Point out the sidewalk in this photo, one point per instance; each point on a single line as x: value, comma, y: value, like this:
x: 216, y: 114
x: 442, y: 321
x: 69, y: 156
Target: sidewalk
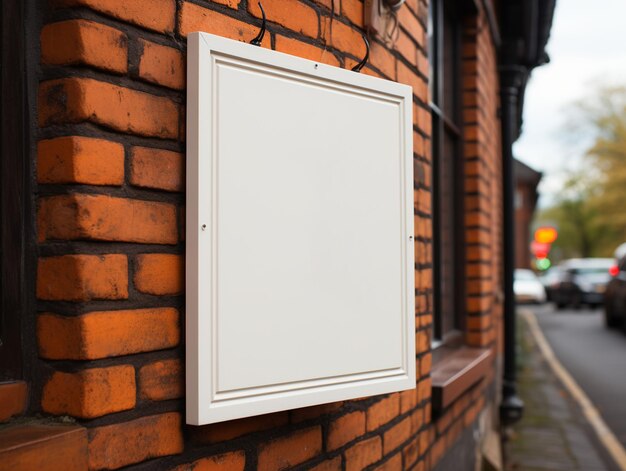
x: 553, y: 434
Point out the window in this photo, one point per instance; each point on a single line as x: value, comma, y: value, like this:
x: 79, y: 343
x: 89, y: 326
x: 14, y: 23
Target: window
x: 13, y: 201
x: 444, y: 44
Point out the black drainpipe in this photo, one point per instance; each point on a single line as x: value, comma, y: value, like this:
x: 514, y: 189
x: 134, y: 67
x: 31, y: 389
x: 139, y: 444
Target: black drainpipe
x: 512, y: 81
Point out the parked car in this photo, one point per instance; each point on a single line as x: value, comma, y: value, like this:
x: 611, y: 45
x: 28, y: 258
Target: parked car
x: 615, y: 295
x: 527, y: 287
x: 584, y: 281
x: 551, y: 279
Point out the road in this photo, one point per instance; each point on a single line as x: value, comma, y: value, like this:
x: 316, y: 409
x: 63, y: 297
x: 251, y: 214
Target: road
x: 594, y: 355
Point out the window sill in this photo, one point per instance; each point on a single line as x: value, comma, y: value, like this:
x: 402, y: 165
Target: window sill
x: 31, y: 446
x: 454, y: 371
x: 13, y: 398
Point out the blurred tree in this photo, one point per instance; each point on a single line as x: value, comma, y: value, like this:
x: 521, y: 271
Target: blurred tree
x: 579, y: 225
x: 608, y: 155
x: 591, y: 212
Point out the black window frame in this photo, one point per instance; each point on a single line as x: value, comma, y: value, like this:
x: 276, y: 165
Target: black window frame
x: 15, y: 201
x: 450, y: 122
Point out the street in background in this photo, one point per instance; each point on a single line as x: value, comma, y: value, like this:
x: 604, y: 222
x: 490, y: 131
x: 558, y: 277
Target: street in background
x: 583, y: 281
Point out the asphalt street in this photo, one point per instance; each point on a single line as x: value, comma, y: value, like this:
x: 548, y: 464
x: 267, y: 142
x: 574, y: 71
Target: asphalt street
x: 594, y: 355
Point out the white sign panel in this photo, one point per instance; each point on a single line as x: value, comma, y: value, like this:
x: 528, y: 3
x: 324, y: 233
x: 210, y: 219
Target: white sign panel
x: 300, y: 266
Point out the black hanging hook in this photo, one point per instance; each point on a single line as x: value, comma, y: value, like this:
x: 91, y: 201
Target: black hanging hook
x: 360, y: 65
x: 257, y: 41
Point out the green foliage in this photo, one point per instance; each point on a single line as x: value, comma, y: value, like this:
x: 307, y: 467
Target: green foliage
x: 591, y: 212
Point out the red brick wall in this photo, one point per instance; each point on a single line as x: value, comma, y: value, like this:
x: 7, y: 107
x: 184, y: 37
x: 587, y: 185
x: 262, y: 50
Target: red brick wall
x: 483, y: 185
x: 110, y: 287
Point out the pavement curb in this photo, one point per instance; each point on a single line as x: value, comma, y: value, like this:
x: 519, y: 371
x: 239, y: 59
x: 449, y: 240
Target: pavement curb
x: 604, y: 434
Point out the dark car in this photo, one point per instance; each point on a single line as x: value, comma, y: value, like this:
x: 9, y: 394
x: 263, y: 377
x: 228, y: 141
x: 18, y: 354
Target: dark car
x: 583, y: 281
x: 551, y: 280
x: 615, y: 296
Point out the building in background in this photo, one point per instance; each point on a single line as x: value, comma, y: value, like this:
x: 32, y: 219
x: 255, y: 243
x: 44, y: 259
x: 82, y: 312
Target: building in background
x: 526, y: 182
x: 93, y: 210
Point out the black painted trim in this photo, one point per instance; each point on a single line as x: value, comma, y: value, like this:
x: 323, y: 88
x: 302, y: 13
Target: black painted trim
x: 14, y: 195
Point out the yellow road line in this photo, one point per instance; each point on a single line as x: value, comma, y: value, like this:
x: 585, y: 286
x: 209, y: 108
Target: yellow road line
x: 606, y: 437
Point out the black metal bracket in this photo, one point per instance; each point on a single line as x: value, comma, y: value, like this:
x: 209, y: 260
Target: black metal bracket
x: 257, y: 41
x: 360, y: 65
x: 394, y: 4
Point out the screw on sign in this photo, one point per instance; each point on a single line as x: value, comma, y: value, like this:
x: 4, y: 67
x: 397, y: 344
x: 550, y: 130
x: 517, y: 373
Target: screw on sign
x: 545, y: 235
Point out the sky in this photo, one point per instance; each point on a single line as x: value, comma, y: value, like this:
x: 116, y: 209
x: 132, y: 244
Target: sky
x: 587, y: 48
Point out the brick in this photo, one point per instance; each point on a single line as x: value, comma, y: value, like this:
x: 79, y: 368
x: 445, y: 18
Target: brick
x: 292, y: 14
x: 103, y: 334
x: 195, y: 18
x: 344, y: 38
x: 161, y: 65
x: 313, y: 412
x: 478, y: 304
x: 424, y: 441
x: 392, y: 464
x: 460, y: 405
x: 411, y: 452
x: 100, y: 217
x: 367, y: 70
x: 234, y: 461
x: 229, y: 3
x: 224, y: 431
x: 422, y: 341
x: 422, y: 63
x: 471, y: 415
x: 396, y: 435
x: 409, y: 77
x: 82, y: 277
x: 13, y: 399
x: 478, y: 322
x: 406, y: 47
x: 157, y: 15
x: 114, y: 446
x: 436, y: 452
x: 411, y: 25
x: 84, y: 42
x: 77, y: 100
x: 304, y: 50
x: 479, y: 339
x: 345, y: 429
x: 424, y: 389
x: 408, y: 400
x: 382, y: 59
x: 428, y: 414
x: 363, y: 454
x: 329, y: 465
x: 419, y: 145
x: 161, y: 380
x: 478, y: 287
x: 353, y: 10
x: 291, y: 450
x: 77, y: 159
x: 426, y: 363
x: 160, y: 274
x: 329, y: 5
x: 157, y: 168
x: 454, y: 432
x: 383, y: 412
x: 425, y: 275
x: 90, y: 393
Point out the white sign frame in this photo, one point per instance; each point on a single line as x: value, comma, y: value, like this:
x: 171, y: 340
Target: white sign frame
x: 385, y: 361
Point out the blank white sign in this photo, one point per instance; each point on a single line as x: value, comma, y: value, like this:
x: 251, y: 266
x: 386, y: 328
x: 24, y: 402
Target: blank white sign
x: 299, y: 233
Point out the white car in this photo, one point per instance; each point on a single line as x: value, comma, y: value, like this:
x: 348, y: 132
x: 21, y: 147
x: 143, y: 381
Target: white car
x: 527, y: 287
